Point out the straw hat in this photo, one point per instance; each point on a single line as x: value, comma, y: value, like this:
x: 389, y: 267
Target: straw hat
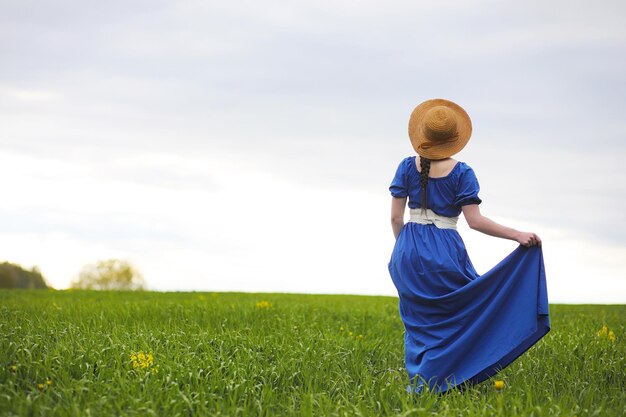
x: 439, y: 128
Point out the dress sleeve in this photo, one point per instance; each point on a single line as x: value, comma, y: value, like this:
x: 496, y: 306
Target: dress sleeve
x: 398, y: 187
x: 467, y: 189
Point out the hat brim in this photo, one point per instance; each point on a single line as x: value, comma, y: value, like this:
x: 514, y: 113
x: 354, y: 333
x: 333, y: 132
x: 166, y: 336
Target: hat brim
x: 447, y: 149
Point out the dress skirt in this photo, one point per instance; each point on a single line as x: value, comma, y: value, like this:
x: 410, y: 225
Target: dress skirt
x: 461, y: 326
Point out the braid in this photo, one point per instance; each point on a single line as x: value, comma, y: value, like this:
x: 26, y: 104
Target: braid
x: 425, y: 169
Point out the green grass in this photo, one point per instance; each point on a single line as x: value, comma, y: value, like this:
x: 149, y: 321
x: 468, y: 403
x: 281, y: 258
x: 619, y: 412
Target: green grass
x: 220, y: 354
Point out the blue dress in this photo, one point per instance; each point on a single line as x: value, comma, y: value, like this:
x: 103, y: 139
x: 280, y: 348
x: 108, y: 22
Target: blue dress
x: 460, y: 326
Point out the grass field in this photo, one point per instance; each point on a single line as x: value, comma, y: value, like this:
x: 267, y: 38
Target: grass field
x: 69, y: 353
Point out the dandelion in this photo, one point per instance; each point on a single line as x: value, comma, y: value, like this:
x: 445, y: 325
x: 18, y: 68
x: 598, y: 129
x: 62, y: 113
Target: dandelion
x: 605, y: 333
x: 498, y: 385
x: 360, y: 337
x: 341, y: 329
x: 41, y: 387
x: 48, y: 382
x: 13, y: 368
x: 263, y: 304
x: 141, y: 360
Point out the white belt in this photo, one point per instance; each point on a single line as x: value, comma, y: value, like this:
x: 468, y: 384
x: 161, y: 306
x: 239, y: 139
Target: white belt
x: 430, y: 217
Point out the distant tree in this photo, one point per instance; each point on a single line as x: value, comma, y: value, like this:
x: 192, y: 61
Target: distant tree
x: 112, y: 274
x: 14, y: 276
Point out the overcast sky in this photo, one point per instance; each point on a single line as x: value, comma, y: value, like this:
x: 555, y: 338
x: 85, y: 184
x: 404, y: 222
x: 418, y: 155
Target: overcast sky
x: 249, y: 146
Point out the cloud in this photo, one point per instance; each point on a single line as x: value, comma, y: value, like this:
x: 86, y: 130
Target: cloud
x: 142, y: 127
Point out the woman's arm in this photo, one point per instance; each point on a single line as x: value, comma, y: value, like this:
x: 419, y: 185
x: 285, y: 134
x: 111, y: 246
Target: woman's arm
x: 397, y: 214
x: 477, y: 221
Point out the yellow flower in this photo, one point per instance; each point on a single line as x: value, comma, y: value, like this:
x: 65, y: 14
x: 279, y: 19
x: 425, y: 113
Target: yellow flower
x: 606, y: 333
x: 13, y: 368
x: 142, y: 360
x: 41, y: 387
x: 611, y: 336
x: 360, y: 337
x: 263, y: 304
x: 498, y: 385
x: 48, y: 382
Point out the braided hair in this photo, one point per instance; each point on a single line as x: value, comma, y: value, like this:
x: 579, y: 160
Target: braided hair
x: 425, y: 169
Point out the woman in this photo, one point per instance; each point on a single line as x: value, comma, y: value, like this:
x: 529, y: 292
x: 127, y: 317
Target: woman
x: 460, y: 327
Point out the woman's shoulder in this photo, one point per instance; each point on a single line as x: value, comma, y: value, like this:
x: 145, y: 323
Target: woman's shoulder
x: 405, y: 164
x: 465, y: 174
x: 408, y: 160
x: 463, y: 167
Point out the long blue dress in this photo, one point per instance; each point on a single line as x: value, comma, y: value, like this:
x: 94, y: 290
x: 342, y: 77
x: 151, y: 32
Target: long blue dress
x: 460, y: 326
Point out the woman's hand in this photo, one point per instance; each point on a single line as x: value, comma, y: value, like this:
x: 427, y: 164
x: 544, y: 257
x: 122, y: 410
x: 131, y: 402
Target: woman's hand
x: 528, y: 239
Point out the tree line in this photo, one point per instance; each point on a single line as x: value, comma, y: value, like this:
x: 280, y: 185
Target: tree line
x: 110, y: 274
x: 14, y: 276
